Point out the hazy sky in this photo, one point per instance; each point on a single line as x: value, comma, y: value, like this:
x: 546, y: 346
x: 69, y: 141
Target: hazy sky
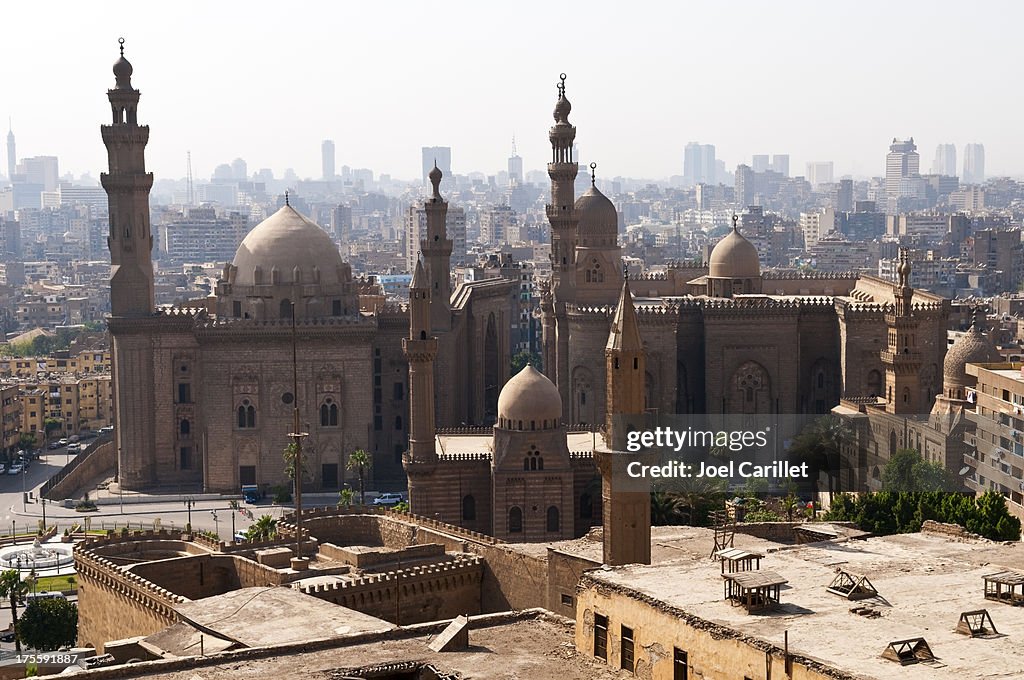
x: 269, y: 81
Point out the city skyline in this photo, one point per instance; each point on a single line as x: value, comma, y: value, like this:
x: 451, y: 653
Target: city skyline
x: 226, y: 94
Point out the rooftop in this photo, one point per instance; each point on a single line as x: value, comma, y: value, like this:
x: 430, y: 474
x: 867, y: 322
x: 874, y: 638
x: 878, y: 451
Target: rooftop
x: 924, y: 583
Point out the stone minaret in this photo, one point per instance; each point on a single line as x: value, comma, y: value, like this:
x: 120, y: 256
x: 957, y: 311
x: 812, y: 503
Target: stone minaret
x: 132, y: 323
x: 420, y: 350
x: 127, y: 186
x: 627, y: 512
x: 437, y: 253
x: 562, y: 170
x: 901, y: 357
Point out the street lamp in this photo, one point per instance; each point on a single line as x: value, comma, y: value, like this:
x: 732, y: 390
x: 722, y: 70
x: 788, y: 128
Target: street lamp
x: 216, y: 524
x: 189, y: 502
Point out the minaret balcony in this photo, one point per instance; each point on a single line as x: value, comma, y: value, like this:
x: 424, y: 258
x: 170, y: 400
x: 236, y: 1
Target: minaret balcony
x: 906, y: 356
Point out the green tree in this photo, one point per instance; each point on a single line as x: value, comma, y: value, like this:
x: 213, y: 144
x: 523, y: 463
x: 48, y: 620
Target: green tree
x: 524, y: 357
x: 51, y: 424
x: 26, y: 440
x: 820, y: 445
x: 345, y: 498
x: 263, y: 529
x: 49, y: 624
x: 360, y: 461
x: 665, y: 509
x: 697, y: 496
x: 289, y: 456
x: 907, y: 472
x: 14, y: 589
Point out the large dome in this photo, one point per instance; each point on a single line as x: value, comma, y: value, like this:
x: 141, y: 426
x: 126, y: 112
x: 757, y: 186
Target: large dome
x: 287, y: 241
x: 596, y: 214
x: 529, y: 397
x: 734, y: 257
x: 970, y: 348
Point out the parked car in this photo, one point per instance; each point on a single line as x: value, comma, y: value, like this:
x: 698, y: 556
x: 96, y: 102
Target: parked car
x: 54, y: 445
x: 388, y: 499
x: 7, y: 636
x: 105, y: 429
x: 74, y: 447
x: 15, y: 469
x: 63, y: 441
x: 89, y: 434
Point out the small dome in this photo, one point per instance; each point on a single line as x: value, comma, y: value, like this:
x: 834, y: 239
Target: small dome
x: 123, y: 73
x: 287, y: 241
x: 529, y: 396
x: 734, y: 257
x: 973, y: 347
x: 562, y: 110
x: 597, y: 214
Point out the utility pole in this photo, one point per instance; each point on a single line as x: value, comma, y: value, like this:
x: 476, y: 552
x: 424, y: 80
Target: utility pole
x: 297, y: 435
x: 189, y: 502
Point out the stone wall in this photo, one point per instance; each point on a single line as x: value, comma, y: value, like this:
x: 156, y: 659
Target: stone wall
x: 778, y: 532
x: 564, y: 573
x: 363, y: 558
x: 99, y: 460
x: 414, y: 595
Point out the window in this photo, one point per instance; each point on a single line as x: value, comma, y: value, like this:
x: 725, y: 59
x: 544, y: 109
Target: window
x: 566, y: 600
x: 626, y: 649
x: 185, y: 457
x: 586, y: 506
x: 246, y: 474
x: 335, y: 307
x: 378, y: 423
x: 601, y: 636
x: 398, y: 422
x: 246, y: 415
x: 287, y: 398
x: 680, y: 665
x: 553, y: 519
x: 328, y: 413
x: 185, y: 428
x: 184, y: 393
x: 399, y: 391
x: 329, y: 475
x: 236, y: 308
x: 515, y: 521
x: 468, y: 508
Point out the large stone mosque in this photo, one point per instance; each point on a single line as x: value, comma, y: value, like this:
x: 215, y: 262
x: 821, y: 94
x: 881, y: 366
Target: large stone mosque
x: 205, y: 397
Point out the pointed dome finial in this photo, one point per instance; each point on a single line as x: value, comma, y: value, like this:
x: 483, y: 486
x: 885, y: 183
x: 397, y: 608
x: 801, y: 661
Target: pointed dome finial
x: 593, y: 174
x: 286, y: 198
x: 435, y: 179
x: 735, y: 222
x: 562, y: 106
x: 561, y: 85
x: 625, y: 271
x: 120, y: 41
x: 122, y: 70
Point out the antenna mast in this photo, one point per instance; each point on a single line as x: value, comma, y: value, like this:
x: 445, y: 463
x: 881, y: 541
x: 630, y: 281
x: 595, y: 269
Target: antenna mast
x: 189, y: 177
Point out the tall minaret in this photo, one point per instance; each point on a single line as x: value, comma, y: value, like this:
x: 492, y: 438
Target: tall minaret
x: 420, y: 350
x: 127, y: 186
x: 626, y: 512
x: 901, y: 357
x: 12, y: 162
x: 437, y: 252
x: 562, y: 170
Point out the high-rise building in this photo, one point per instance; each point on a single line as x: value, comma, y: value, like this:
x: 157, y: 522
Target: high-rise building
x: 699, y: 164
x: 497, y: 225
x: 441, y: 156
x: 819, y: 172
x: 945, y: 160
x: 11, y: 154
x: 416, y: 231
x: 760, y: 162
x: 239, y: 170
x: 780, y: 164
x: 815, y: 225
x: 41, y: 170
x: 901, y: 163
x: 844, y: 196
x: 974, y: 164
x: 515, y: 166
x: 327, y: 159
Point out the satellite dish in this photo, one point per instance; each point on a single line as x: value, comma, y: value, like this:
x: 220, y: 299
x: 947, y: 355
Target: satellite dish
x: 964, y: 470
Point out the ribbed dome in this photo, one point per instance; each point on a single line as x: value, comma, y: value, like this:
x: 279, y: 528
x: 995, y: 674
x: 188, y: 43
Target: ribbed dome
x: 287, y: 240
x: 734, y: 257
x: 972, y: 347
x: 529, y: 396
x: 597, y: 215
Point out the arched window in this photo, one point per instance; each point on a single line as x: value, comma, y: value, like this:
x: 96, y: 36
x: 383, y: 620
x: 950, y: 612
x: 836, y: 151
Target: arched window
x: 468, y: 508
x: 286, y: 309
x: 328, y: 413
x: 552, y: 519
x: 246, y: 414
x: 515, y: 520
x: 586, y: 506
x: 185, y: 428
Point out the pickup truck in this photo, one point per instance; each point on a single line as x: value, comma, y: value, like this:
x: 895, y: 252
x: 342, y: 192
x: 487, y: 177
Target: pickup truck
x: 251, y: 493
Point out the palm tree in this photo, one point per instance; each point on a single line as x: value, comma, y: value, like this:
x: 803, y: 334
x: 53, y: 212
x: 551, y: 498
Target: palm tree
x: 664, y: 508
x: 14, y: 589
x: 820, y: 444
x: 263, y: 529
x: 360, y: 461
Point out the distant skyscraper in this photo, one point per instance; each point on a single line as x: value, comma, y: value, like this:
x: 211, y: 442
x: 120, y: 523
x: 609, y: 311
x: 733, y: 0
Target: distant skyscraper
x: 699, y: 164
x: 780, y: 164
x: 902, y: 162
x: 327, y: 159
x: 41, y: 170
x: 844, y: 196
x: 515, y: 166
x: 819, y: 172
x: 239, y: 170
x: 11, y: 157
x: 974, y: 164
x: 760, y: 162
x: 945, y: 160
x: 442, y: 156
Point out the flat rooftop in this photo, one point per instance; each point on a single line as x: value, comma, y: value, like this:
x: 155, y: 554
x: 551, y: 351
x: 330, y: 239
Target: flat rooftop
x: 449, y: 444
x: 924, y: 582
x: 538, y: 648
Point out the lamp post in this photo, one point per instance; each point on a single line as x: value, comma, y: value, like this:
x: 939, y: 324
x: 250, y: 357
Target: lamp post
x: 297, y: 435
x: 189, y: 502
x: 216, y: 524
